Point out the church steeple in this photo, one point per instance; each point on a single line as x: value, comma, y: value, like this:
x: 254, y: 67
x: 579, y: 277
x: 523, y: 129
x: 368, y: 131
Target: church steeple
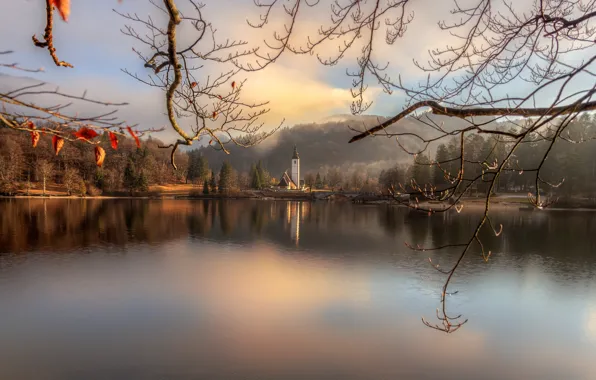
x: 296, y: 167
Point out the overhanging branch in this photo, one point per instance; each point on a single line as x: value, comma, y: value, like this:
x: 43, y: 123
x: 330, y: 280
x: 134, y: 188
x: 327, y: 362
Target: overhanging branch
x: 462, y: 113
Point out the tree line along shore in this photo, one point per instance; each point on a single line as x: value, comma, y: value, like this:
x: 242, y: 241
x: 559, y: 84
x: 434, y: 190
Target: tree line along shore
x: 147, y: 172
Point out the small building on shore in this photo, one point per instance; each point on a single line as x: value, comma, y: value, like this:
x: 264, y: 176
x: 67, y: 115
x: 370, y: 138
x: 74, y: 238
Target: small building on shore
x: 285, y: 182
x: 293, y: 181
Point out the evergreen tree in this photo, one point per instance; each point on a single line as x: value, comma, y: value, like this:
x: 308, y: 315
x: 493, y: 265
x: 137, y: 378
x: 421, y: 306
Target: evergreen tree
x: 421, y: 171
x: 142, y: 184
x: 441, y: 157
x: 255, y: 181
x: 206, y: 187
x: 213, y: 183
x: 198, y: 167
x: 453, y: 151
x: 225, y: 177
x: 191, y: 170
x: 263, y: 175
x: 391, y: 179
x: 130, y: 178
x: 203, y: 168
x: 99, y: 179
x: 318, y: 182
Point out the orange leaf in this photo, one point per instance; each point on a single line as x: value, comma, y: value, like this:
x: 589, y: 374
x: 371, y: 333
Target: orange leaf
x: 214, y: 114
x: 210, y: 141
x: 193, y: 84
x: 34, y: 138
x: 63, y: 7
x: 100, y: 155
x: 57, y: 143
x: 30, y: 125
x: 134, y: 136
x: 85, y: 133
x: 113, y: 140
x: 234, y: 84
x: 43, y: 131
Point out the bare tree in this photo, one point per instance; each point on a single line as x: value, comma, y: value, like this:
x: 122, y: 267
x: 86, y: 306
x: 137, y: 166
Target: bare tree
x: 357, y: 180
x: 212, y: 106
x: 10, y: 166
x: 72, y: 180
x: 334, y: 178
x: 22, y: 110
x: 45, y: 169
x: 309, y: 180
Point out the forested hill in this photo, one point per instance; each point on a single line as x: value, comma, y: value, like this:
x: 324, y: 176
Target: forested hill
x: 322, y: 145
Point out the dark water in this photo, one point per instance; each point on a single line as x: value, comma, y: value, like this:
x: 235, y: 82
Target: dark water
x: 125, y: 289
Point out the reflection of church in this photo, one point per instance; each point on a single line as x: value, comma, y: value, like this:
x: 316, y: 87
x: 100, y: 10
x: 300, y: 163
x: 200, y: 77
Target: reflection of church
x: 295, y: 213
x: 292, y: 182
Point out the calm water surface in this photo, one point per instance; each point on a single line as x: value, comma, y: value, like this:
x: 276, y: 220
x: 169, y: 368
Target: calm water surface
x: 132, y: 289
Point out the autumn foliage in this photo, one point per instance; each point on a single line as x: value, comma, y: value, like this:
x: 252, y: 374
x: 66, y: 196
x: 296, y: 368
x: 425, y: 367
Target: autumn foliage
x: 35, y: 136
x: 85, y: 133
x: 134, y: 136
x: 63, y: 7
x: 57, y: 144
x: 100, y: 155
x: 113, y: 140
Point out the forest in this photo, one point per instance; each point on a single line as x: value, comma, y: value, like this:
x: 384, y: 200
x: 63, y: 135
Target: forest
x: 132, y: 170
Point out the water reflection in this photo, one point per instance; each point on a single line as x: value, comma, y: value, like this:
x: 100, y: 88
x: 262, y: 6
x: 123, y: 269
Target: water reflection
x: 28, y: 225
x: 125, y: 289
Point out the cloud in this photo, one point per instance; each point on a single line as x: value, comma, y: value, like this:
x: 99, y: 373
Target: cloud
x: 297, y: 95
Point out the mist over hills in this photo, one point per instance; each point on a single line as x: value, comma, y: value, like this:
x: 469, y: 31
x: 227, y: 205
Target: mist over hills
x: 325, y: 144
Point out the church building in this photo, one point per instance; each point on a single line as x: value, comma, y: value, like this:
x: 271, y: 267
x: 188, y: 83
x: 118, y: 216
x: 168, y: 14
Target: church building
x: 292, y: 182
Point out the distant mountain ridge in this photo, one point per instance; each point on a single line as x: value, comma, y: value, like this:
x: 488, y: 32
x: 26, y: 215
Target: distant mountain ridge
x: 325, y: 144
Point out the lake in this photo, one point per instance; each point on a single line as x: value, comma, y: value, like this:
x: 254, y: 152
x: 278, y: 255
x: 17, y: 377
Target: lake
x: 176, y: 289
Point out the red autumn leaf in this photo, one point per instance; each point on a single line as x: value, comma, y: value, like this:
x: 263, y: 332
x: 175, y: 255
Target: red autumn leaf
x: 34, y: 138
x: 193, y: 84
x: 86, y: 133
x: 134, y: 136
x: 30, y: 125
x: 100, y: 155
x: 43, y: 131
x: 219, y: 96
x: 210, y: 141
x: 63, y: 7
x: 113, y: 140
x: 234, y: 84
x: 214, y: 114
x: 57, y: 143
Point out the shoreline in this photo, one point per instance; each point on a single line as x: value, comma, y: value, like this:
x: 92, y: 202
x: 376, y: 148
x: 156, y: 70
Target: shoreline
x: 474, y: 203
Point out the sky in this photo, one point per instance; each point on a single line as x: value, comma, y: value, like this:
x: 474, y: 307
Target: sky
x: 299, y: 89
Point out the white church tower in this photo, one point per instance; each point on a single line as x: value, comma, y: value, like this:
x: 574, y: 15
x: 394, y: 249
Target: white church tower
x: 296, y: 168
